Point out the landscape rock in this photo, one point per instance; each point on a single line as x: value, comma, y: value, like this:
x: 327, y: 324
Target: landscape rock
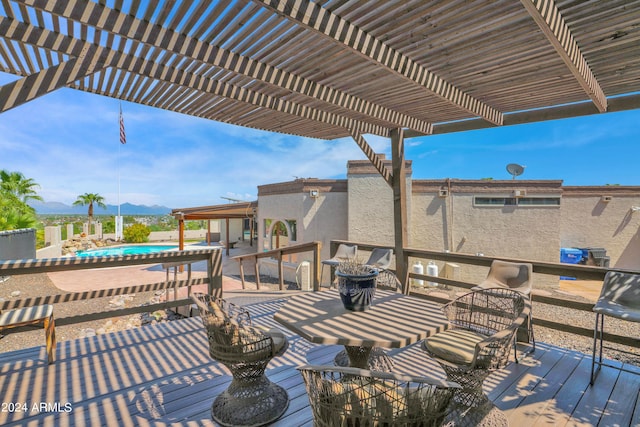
x: 71, y: 246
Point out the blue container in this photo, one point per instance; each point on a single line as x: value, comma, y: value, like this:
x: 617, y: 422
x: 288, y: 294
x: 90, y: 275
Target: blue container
x: 570, y: 256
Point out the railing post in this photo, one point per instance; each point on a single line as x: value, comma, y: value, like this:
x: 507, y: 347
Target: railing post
x: 241, y: 272
x: 214, y: 273
x: 316, y: 265
x: 280, y: 271
x: 406, y: 286
x: 257, y: 275
x: 333, y: 248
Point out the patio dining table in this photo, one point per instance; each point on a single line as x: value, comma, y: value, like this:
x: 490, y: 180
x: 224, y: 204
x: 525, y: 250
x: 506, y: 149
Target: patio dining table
x: 395, y: 320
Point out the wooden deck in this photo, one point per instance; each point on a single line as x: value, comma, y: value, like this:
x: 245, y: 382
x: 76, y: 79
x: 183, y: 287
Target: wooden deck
x: 162, y: 375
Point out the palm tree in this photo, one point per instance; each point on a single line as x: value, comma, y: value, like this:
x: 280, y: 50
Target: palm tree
x: 15, y: 192
x: 23, y: 188
x: 14, y: 214
x: 90, y: 199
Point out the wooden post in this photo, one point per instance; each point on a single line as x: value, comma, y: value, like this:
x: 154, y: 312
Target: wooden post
x: 227, y: 228
x: 208, y: 232
x: 251, y: 230
x: 181, y: 233
x: 399, y: 206
x: 181, y: 237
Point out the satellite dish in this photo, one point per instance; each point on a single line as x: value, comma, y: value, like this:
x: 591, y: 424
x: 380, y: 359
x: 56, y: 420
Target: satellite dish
x: 515, y: 169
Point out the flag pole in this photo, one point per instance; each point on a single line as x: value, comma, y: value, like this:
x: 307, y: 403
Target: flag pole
x: 118, y: 227
x: 123, y: 140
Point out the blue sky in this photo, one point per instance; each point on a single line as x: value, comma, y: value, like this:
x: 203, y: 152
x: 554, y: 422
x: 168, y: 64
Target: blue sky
x: 68, y: 142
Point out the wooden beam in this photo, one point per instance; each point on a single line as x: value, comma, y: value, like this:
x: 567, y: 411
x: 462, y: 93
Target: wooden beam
x: 315, y: 17
x: 372, y: 156
x: 617, y: 104
x: 127, y: 26
x: 546, y: 14
x: 400, y: 207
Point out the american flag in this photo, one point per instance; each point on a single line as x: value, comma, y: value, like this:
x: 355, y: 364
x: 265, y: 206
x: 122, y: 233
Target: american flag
x: 123, y: 136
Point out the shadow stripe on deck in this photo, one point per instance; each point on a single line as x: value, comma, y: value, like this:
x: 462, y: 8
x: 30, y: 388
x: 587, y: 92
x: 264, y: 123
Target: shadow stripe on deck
x: 162, y: 375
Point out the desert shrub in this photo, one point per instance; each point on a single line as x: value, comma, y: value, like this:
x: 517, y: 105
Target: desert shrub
x: 136, y: 233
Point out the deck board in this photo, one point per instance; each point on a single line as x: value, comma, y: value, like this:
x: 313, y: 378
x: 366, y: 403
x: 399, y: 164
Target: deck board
x: 163, y: 375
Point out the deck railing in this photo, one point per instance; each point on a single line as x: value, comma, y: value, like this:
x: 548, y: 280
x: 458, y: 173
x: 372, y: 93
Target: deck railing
x: 584, y: 272
x: 278, y: 254
x: 213, y: 279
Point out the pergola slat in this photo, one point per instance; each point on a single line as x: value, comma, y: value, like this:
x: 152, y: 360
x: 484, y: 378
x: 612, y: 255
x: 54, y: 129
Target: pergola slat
x: 167, y: 74
x: 315, y: 17
x: 48, y: 80
x: 115, y: 22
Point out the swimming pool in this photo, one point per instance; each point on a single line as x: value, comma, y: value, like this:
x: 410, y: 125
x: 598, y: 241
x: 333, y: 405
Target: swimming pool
x: 126, y: 250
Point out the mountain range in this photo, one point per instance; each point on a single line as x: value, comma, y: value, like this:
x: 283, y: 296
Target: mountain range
x: 44, y: 208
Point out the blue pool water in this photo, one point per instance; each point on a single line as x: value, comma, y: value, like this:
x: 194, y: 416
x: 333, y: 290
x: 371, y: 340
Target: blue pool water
x: 126, y: 250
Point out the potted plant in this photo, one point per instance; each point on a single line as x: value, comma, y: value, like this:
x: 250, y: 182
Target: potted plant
x: 356, y: 284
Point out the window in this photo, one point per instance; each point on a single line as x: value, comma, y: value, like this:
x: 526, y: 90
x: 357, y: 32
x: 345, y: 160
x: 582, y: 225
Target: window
x: 539, y: 201
x: 294, y: 229
x: 516, y: 201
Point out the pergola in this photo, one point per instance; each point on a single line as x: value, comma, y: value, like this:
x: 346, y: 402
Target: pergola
x: 334, y: 68
x: 239, y: 210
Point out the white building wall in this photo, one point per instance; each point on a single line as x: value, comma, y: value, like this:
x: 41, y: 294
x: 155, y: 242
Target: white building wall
x: 235, y: 229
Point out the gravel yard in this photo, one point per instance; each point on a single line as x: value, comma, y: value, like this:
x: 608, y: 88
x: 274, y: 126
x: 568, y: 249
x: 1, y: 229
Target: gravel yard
x: 39, y: 285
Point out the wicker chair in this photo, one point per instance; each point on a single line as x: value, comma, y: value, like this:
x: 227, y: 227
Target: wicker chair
x: 483, y: 326
x: 519, y: 277
x: 358, y: 397
x: 251, y: 399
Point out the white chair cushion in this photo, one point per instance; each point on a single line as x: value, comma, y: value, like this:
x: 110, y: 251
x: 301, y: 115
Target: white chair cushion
x: 279, y: 339
x: 456, y: 345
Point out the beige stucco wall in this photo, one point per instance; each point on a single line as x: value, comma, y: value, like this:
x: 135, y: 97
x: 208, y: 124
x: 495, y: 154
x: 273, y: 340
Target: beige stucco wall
x: 322, y: 218
x: 371, y: 218
x: 588, y: 221
x: 370, y: 210
x: 454, y: 223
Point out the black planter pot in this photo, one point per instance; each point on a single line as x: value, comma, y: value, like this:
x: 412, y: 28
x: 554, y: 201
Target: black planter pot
x: 357, y: 291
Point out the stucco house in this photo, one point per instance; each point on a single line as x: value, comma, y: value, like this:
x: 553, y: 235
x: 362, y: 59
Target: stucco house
x: 529, y: 219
